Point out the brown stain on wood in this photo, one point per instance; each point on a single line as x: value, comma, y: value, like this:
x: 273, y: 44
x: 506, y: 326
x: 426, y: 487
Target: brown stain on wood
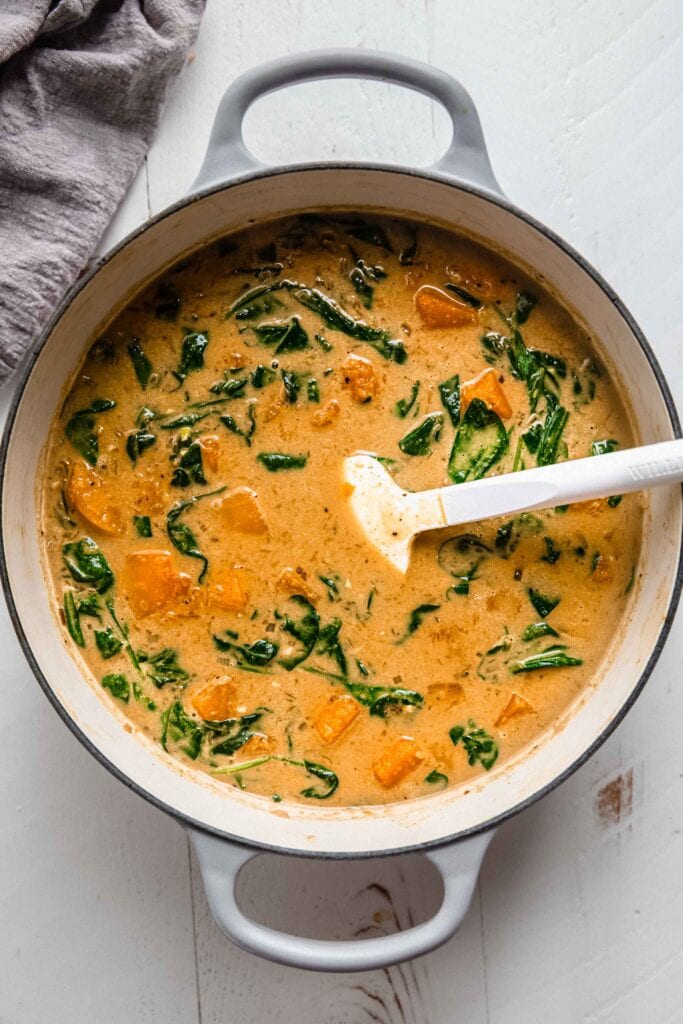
x: 614, y: 801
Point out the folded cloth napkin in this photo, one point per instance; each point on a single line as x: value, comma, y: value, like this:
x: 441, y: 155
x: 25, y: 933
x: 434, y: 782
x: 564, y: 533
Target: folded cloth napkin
x: 82, y: 84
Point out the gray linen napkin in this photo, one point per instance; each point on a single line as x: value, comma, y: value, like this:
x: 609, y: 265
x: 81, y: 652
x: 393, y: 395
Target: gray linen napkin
x: 82, y: 84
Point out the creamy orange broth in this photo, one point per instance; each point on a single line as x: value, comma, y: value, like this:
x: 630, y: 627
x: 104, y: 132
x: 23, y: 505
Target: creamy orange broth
x: 253, y: 632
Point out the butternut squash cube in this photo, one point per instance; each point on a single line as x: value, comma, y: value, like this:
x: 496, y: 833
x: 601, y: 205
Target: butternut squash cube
x: 230, y: 592
x: 242, y: 512
x: 294, y: 581
x: 335, y: 716
x: 438, y: 309
x: 603, y: 570
x: 210, y: 445
x: 151, y: 582
x: 514, y: 708
x: 486, y: 387
x: 397, y: 761
x: 358, y: 374
x: 86, y: 492
x: 327, y: 414
x: 257, y: 745
x: 215, y: 701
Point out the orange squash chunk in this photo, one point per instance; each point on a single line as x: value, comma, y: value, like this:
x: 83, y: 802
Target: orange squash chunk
x: 151, y: 582
x: 242, y: 512
x: 397, y: 761
x: 257, y: 745
x: 230, y: 592
x: 438, y: 309
x: 293, y: 581
x: 209, y: 446
x: 86, y: 492
x: 603, y: 571
x: 486, y: 387
x: 335, y: 716
x: 358, y: 374
x: 327, y: 414
x: 215, y: 702
x: 514, y: 708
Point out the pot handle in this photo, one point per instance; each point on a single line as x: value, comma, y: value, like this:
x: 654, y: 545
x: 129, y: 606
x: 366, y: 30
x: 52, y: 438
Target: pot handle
x: 227, y: 157
x: 221, y: 861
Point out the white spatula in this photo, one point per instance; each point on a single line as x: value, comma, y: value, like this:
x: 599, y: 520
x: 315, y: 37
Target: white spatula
x: 390, y: 517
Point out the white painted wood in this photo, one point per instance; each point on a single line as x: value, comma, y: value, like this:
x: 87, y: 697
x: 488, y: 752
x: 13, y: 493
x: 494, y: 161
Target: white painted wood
x: 580, y: 913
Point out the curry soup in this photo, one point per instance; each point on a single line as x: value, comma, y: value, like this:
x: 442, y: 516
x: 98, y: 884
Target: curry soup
x: 208, y: 567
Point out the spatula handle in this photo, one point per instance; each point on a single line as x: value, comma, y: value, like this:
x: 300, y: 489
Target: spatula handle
x: 564, y: 483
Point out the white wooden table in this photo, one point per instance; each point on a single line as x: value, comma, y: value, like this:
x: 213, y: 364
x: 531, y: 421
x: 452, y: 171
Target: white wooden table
x: 579, y: 913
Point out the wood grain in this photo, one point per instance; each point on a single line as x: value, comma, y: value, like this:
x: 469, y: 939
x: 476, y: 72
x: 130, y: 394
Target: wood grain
x: 579, y: 916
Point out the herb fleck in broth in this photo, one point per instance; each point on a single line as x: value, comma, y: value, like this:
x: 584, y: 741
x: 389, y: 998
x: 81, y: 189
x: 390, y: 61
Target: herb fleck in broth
x: 201, y: 548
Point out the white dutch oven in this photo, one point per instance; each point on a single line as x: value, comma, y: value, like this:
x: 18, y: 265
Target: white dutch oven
x: 227, y: 826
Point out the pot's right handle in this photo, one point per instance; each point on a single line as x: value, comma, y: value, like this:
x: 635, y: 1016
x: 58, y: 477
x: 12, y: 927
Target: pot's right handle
x: 221, y: 862
x: 227, y: 157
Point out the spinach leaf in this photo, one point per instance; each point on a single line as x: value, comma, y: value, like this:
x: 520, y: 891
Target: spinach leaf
x: 190, y: 469
x: 419, y: 440
x: 73, y: 621
x: 332, y: 584
x: 179, y: 728
x: 324, y: 775
x: 379, y: 699
x: 305, y: 630
x: 331, y: 313
x: 494, y: 345
x: 511, y: 533
x: 416, y: 618
x: 124, y: 633
x: 537, y: 630
x: 90, y: 605
x: 312, y: 390
x: 168, y: 303
x: 480, y: 442
x: 292, y: 385
x: 435, y: 776
x: 543, y: 605
x: 404, y: 405
x: 87, y: 564
x: 552, y: 552
x: 363, y: 290
x: 276, y: 461
x: 479, y: 746
x: 181, y: 536
x: 532, y: 437
x: 80, y: 429
x: 141, y: 364
x: 329, y: 643
x: 261, y: 376
x: 555, y: 422
x: 526, y: 303
x: 552, y: 657
x: 164, y: 667
x: 256, y: 655
x: 107, y: 644
x: 139, y: 442
x: 323, y: 342
x: 449, y: 391
x: 463, y: 294
x: 259, y: 306
x: 143, y: 526
x: 186, y: 419
x: 455, y: 557
x: 287, y: 337
x: 247, y: 433
x: 230, y: 387
x: 191, y: 353
x: 235, y: 732
x: 372, y: 234
x: 118, y: 686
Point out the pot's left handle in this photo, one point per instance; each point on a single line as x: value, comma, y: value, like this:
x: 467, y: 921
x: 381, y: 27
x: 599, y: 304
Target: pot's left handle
x: 221, y: 861
x: 227, y: 157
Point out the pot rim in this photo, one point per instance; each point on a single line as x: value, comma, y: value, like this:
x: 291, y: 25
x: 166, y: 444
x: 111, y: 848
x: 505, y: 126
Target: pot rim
x: 23, y: 379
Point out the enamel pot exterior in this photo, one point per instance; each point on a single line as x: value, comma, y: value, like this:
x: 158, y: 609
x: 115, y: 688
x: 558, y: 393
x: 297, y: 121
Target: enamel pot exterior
x: 216, y: 209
